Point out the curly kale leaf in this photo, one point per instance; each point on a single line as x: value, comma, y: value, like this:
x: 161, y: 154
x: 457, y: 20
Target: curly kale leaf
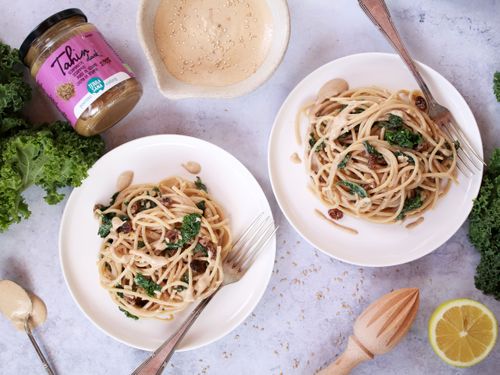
x: 202, y: 205
x: 397, y: 134
x: 409, y: 159
x: 13, y: 208
x: 354, y: 188
x: 184, y: 279
x: 487, y: 276
x: 496, y: 85
x: 106, y: 224
x: 200, y: 185
x: 393, y: 123
x: 14, y: 92
x: 147, y: 284
x: 191, y: 225
x: 127, y: 314
x: 312, y: 141
x: 52, y: 157
x: 344, y: 161
x: 403, y: 138
x: 72, y: 157
x: 484, y: 229
x: 410, y: 205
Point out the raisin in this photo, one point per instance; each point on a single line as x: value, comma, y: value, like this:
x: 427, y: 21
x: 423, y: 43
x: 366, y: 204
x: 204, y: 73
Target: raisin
x: 335, y: 214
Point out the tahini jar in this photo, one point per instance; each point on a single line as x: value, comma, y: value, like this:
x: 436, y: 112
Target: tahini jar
x: 83, y: 76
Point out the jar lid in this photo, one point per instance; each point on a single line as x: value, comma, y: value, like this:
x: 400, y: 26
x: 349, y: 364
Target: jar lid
x: 45, y: 25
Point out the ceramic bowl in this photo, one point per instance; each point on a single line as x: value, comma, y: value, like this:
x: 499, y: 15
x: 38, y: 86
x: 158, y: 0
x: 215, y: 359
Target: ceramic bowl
x: 173, y: 88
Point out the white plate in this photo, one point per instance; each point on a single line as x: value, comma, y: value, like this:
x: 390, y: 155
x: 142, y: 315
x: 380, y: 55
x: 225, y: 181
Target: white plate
x: 152, y: 159
x: 376, y: 245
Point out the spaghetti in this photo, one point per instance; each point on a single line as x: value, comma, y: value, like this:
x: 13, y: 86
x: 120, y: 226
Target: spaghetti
x: 375, y: 155
x: 163, y: 247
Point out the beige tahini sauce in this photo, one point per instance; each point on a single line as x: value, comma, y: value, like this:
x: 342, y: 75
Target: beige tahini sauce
x: 213, y: 42
x: 295, y: 158
x: 124, y: 180
x: 17, y: 305
x: 192, y: 167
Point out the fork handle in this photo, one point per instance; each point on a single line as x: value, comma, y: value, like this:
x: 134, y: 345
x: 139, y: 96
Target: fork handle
x: 378, y: 13
x: 155, y: 364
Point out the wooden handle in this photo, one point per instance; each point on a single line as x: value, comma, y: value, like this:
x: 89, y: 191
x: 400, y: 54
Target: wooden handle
x: 354, y: 354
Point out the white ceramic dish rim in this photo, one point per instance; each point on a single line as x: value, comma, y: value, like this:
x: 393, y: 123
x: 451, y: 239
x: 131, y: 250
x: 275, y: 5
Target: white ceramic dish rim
x: 258, y: 297
x: 280, y: 199
x: 184, y: 90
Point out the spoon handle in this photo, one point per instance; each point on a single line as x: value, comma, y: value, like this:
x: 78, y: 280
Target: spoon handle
x: 45, y: 363
x: 354, y: 354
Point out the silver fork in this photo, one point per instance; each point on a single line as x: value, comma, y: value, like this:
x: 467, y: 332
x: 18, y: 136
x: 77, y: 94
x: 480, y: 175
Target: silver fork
x: 241, y: 257
x: 468, y: 158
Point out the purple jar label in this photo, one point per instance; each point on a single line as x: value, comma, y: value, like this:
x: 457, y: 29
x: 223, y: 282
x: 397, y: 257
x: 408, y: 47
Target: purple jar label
x: 78, y: 72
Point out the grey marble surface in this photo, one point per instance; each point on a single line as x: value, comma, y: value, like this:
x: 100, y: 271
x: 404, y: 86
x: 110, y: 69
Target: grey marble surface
x: 308, y: 309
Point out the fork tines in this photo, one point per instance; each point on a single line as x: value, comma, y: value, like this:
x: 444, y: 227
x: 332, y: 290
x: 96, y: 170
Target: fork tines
x: 468, y: 159
x: 251, y: 242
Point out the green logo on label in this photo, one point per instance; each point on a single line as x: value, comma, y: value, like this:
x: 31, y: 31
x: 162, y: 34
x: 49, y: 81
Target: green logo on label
x: 94, y: 85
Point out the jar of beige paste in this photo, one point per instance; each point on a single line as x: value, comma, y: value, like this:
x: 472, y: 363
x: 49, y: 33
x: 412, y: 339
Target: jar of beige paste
x: 87, y: 81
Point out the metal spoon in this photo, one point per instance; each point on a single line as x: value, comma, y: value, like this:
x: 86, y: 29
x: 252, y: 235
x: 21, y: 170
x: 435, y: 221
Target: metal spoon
x: 45, y: 363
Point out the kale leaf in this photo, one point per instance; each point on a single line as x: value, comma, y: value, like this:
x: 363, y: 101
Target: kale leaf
x: 120, y: 294
x: 111, y: 202
x: 145, y: 204
x: 357, y: 110
x: 312, y: 141
x: 376, y: 156
x: 127, y: 314
x: 184, y: 279
x: 113, y: 199
x: 14, y: 92
x: 50, y: 156
x: 496, y: 85
x: 106, y: 225
x: 404, y: 138
x: 410, y: 205
x: 484, y: 229
x: 397, y: 134
x: 199, y: 248
x: 202, y: 205
x: 370, y: 149
x: 200, y: 185
x: 354, y: 188
x: 408, y: 157
x: 320, y: 147
x: 147, y: 284
x: 344, y: 161
x: 393, y: 123
x: 191, y: 225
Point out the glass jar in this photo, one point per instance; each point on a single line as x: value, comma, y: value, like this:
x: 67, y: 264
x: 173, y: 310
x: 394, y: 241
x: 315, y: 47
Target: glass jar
x: 87, y: 81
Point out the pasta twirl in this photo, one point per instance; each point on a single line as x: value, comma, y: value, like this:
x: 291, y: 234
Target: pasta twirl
x: 163, y: 247
x: 375, y: 155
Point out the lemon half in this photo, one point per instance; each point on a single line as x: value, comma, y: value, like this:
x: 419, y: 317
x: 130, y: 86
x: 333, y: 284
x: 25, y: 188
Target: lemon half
x: 462, y: 332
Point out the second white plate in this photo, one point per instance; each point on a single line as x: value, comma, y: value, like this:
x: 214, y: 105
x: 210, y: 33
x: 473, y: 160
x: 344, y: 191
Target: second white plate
x: 376, y: 245
x: 153, y: 159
